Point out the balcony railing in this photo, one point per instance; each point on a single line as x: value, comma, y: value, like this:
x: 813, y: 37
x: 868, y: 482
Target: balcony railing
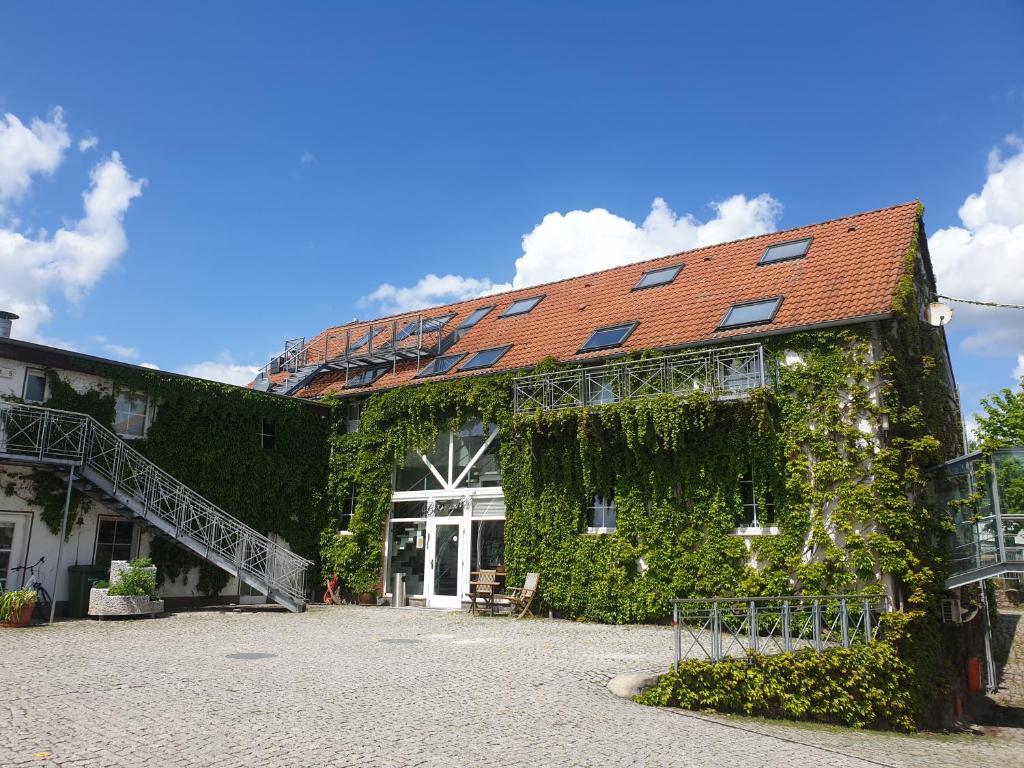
x: 722, y: 372
x: 984, y: 496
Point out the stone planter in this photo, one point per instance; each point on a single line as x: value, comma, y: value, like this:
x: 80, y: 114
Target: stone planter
x: 102, y: 604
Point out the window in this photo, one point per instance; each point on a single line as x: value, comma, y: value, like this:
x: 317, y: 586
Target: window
x: 602, y: 387
x: 348, y: 509
x: 467, y: 458
x: 601, y: 514
x: 751, y: 313
x: 429, y: 325
x: 612, y: 336
x: 371, y: 334
x: 130, y: 414
x: 475, y: 317
x: 353, y: 415
x: 113, y: 541
x: 486, y: 358
x: 756, y: 514
x: 656, y: 277
x: 364, y: 378
x: 6, y: 551
x: 794, y: 249
x: 440, y: 365
x: 35, y: 386
x: 521, y: 306
x: 266, y: 434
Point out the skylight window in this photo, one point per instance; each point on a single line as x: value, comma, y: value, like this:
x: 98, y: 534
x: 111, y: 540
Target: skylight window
x: 751, y: 313
x: 429, y: 325
x: 656, y: 277
x: 440, y: 365
x: 522, y: 306
x: 364, y: 378
x: 794, y: 249
x: 366, y: 337
x: 474, y: 317
x: 612, y: 336
x: 486, y: 358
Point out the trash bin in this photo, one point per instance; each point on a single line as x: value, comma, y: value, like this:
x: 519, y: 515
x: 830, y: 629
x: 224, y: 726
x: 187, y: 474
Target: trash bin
x: 80, y: 581
x: 398, y: 597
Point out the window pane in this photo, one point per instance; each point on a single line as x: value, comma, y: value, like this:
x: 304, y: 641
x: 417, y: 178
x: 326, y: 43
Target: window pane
x: 35, y: 387
x: 130, y: 414
x: 485, y: 358
x: 749, y: 314
x: 407, y: 554
x: 784, y: 251
x: 475, y: 317
x: 440, y: 365
x: 485, y: 473
x: 609, y: 337
x: 487, y: 548
x: 113, y: 541
x: 415, y: 476
x: 658, y: 277
x: 522, y: 306
x: 409, y: 509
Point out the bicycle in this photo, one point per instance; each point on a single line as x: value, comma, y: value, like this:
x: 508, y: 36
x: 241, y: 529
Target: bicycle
x: 43, y: 599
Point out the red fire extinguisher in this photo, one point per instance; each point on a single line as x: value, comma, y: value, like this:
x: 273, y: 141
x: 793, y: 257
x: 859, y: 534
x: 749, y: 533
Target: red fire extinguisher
x: 974, y: 674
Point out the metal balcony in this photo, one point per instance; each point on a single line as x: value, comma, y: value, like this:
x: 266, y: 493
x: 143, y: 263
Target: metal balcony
x: 984, y: 496
x: 723, y: 372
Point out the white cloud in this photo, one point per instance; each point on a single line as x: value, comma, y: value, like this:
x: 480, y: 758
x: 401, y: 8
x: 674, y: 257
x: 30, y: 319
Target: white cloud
x: 984, y: 258
x: 121, y: 352
x: 1018, y: 372
x: 223, y: 370
x: 428, y: 291
x: 308, y: 158
x: 578, y: 242
x: 27, y: 150
x: 84, y: 145
x: 35, y: 268
x: 151, y: 366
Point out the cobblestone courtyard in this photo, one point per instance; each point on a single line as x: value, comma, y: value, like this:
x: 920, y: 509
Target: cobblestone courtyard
x: 346, y: 686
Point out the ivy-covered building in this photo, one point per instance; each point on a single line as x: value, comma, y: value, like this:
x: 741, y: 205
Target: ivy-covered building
x: 747, y: 418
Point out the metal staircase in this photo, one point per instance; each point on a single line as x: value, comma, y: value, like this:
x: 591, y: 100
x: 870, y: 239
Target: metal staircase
x: 108, y: 469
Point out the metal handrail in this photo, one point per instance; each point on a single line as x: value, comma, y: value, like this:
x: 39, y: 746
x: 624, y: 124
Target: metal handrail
x: 47, y: 434
x: 722, y: 371
x: 723, y: 627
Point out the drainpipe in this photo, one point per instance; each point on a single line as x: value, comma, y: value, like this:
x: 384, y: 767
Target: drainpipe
x: 60, y: 544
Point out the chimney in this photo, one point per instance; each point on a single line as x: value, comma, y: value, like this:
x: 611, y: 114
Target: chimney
x: 5, y: 324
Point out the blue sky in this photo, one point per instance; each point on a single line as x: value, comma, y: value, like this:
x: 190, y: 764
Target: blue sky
x: 297, y: 157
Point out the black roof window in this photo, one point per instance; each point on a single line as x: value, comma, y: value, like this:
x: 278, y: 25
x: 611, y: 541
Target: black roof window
x: 794, y: 249
x: 364, y: 378
x: 522, y: 306
x: 610, y: 336
x: 751, y: 313
x: 440, y: 365
x: 485, y: 358
x: 655, y: 277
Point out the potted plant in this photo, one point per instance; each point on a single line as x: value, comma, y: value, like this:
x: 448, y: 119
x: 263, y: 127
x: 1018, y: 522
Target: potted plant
x: 131, y: 591
x: 16, y: 607
x: 365, y: 588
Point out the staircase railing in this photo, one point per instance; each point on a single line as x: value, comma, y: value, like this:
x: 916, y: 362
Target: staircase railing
x: 49, y: 435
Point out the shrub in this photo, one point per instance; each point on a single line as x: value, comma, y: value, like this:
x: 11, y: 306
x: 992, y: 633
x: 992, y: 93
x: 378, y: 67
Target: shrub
x: 12, y: 602
x: 862, y: 686
x: 134, y: 582
x: 141, y: 562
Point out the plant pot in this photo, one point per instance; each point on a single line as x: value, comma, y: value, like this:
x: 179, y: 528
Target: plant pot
x: 23, y: 617
x: 366, y: 598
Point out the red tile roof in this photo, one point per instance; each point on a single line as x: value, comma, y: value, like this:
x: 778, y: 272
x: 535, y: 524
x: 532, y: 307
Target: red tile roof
x: 850, y: 272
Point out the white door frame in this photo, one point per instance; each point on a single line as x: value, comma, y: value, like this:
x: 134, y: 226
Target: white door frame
x: 19, y: 556
x: 462, y: 583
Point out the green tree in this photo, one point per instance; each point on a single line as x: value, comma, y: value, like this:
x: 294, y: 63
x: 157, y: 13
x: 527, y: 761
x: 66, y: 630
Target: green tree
x: 1003, y: 422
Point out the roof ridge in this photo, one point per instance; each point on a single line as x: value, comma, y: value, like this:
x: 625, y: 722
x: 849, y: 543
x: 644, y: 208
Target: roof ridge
x: 538, y: 286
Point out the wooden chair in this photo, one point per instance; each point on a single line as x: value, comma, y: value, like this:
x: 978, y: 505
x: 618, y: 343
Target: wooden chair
x: 520, y: 599
x: 481, y: 595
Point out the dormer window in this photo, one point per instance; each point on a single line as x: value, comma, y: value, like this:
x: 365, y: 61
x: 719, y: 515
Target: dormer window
x: 751, y: 313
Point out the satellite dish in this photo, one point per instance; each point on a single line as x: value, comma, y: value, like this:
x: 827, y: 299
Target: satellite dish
x: 938, y: 314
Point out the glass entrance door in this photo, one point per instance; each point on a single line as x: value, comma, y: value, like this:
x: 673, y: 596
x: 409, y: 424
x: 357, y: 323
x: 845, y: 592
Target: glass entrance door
x: 444, y: 571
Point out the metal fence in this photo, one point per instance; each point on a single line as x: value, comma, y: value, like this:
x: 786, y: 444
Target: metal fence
x: 722, y: 372
x: 717, y: 628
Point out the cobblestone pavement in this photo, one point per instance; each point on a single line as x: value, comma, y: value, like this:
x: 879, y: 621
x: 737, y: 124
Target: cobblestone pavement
x: 347, y: 686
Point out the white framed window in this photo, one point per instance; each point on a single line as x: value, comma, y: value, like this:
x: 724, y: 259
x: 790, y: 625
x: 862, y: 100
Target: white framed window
x: 757, y: 515
x: 35, y: 386
x: 601, y: 514
x: 130, y: 412
x: 348, y: 509
x: 353, y: 415
x: 468, y: 458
